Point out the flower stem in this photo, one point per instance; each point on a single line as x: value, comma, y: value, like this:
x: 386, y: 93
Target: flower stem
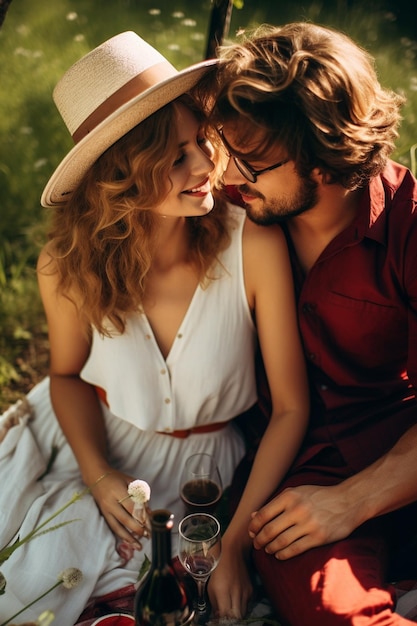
x: 7, y: 552
x: 31, y: 603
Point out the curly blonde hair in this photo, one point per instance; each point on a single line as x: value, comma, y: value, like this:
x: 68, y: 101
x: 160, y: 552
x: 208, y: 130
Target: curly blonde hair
x: 312, y: 91
x: 102, y: 241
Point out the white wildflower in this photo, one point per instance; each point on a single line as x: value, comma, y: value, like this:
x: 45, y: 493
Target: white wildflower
x: 45, y: 618
x: 39, y: 163
x: 188, y: 22
x: 71, y: 577
x: 139, y: 491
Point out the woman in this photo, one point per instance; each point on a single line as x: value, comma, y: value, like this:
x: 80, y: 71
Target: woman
x: 154, y: 301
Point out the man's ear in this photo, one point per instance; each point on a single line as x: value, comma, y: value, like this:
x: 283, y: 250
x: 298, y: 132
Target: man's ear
x: 320, y: 177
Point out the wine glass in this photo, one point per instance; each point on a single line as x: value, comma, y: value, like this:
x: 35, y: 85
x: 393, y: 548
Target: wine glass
x: 199, y: 549
x: 200, y: 484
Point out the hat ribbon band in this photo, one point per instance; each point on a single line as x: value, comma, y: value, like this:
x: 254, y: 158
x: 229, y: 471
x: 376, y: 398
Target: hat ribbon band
x: 134, y: 87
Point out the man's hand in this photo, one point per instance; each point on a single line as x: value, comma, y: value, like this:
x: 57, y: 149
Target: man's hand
x: 301, y: 518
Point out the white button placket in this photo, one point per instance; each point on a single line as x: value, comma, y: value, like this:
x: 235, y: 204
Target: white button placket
x: 166, y: 386
x: 165, y: 382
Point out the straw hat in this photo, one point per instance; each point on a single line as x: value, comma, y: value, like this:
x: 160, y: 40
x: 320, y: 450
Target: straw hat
x: 104, y: 95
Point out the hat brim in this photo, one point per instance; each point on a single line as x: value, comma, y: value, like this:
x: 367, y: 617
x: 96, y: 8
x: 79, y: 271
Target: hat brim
x: 83, y: 155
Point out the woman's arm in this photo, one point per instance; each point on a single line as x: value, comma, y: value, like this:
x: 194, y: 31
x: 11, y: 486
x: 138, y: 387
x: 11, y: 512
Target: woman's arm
x: 76, y: 404
x: 270, y: 292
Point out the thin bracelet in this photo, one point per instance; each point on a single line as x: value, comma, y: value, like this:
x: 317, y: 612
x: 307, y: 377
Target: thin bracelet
x: 100, y: 478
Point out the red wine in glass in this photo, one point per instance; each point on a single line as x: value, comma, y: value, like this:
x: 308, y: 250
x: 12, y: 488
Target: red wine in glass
x: 201, y: 486
x: 201, y: 495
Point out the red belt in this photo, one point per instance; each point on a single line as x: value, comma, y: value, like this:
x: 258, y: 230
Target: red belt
x: 180, y: 434
x: 205, y: 428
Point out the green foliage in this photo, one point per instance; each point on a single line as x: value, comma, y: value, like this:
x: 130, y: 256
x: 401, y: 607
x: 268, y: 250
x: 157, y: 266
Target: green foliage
x: 144, y: 568
x: 20, y: 308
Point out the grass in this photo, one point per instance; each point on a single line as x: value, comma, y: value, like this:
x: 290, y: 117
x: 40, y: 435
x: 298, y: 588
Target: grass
x: 40, y: 40
x: 23, y: 337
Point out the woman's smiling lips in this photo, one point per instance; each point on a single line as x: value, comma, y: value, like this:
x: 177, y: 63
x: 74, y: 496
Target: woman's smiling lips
x: 202, y: 189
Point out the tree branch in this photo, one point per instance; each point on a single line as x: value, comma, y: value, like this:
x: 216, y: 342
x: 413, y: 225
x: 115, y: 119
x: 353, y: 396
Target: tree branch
x: 4, y: 5
x: 221, y: 14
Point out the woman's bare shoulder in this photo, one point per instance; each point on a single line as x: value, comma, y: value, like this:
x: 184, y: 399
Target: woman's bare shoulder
x: 257, y: 236
x: 46, y: 264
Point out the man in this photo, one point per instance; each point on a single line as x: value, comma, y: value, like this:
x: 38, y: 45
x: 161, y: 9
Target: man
x: 309, y: 130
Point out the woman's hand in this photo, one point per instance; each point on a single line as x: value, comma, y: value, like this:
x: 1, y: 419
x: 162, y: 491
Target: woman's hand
x: 110, y: 494
x: 230, y: 587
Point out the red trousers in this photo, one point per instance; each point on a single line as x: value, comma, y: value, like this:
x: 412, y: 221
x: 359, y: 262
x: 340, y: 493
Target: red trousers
x: 343, y: 583
x: 333, y: 585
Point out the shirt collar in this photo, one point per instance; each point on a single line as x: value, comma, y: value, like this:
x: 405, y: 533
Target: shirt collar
x: 371, y: 216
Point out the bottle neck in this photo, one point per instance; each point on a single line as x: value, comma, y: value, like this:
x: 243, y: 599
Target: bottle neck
x: 161, y: 548
x: 161, y: 524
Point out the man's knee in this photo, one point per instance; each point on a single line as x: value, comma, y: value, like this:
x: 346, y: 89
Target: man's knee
x: 322, y: 588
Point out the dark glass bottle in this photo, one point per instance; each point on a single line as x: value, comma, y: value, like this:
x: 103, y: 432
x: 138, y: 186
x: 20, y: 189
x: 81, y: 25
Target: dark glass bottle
x: 162, y: 599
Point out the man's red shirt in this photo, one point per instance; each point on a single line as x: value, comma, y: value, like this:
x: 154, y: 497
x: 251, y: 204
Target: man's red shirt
x: 357, y: 310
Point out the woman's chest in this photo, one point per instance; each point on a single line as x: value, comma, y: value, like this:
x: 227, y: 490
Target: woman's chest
x: 168, y: 299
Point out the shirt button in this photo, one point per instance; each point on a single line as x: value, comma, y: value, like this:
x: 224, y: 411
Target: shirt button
x: 324, y: 387
x: 147, y: 336
x: 311, y: 356
x: 167, y: 400
x: 163, y: 371
x: 179, y: 335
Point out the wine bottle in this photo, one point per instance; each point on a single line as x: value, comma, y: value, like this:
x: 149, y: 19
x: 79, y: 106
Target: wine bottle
x: 162, y: 599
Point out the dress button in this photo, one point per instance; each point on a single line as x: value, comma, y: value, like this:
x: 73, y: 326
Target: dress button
x: 167, y: 400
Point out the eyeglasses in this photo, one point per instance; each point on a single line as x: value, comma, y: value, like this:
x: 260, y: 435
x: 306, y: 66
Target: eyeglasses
x: 244, y: 168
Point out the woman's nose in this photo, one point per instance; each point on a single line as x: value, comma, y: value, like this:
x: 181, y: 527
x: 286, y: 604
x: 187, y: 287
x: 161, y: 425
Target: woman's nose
x: 204, y: 162
x: 231, y: 175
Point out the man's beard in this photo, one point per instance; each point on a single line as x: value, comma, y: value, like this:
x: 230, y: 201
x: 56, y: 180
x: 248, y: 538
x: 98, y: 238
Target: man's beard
x: 278, y: 210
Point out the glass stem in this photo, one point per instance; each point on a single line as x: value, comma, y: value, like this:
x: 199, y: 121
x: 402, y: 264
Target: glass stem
x: 201, y: 599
